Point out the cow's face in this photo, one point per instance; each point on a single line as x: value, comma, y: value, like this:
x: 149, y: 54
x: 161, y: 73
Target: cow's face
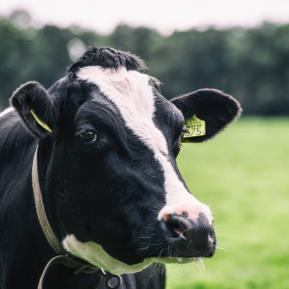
x: 114, y: 187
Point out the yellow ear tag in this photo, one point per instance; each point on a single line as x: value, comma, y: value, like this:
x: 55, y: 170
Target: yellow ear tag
x: 40, y: 121
x: 194, y: 127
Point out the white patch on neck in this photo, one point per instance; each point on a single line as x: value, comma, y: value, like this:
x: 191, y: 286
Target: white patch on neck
x: 6, y: 111
x: 96, y: 255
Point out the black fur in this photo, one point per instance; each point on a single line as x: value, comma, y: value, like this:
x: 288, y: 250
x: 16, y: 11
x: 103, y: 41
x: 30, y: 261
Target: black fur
x: 108, y: 58
x: 109, y: 192
x: 32, y: 96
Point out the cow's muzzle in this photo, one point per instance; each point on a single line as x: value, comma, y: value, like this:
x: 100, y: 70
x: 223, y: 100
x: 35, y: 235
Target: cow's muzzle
x: 189, y: 238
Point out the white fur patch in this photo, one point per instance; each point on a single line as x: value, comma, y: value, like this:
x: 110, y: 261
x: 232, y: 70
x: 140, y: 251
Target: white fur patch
x: 97, y: 256
x: 6, y: 111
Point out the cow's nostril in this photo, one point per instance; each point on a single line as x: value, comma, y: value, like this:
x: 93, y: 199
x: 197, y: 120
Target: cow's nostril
x: 177, y: 225
x: 191, y: 238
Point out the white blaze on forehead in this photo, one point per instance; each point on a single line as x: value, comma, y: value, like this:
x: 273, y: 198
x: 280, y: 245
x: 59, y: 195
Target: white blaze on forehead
x: 6, y: 111
x: 133, y: 95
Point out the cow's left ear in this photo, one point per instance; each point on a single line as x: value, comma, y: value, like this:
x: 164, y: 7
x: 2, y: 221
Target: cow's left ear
x: 35, y: 108
x: 206, y: 111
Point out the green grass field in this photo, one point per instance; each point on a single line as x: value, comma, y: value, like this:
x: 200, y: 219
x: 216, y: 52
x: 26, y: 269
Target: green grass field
x: 243, y: 175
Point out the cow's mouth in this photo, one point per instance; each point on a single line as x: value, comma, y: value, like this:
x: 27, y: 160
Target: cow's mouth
x: 188, y: 247
x: 94, y: 254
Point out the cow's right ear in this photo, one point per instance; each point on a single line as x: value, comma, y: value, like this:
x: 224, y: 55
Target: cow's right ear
x: 35, y: 108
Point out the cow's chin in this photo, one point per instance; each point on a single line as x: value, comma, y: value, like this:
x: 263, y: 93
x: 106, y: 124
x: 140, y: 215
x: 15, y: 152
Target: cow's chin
x: 94, y: 254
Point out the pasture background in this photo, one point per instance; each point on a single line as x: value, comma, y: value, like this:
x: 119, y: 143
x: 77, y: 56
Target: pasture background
x: 243, y: 175
x: 250, y: 63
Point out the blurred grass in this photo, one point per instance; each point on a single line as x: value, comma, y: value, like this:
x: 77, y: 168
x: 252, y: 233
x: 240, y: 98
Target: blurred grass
x: 243, y: 175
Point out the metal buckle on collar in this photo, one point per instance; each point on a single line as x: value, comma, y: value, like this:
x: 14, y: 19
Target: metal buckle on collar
x: 112, y: 281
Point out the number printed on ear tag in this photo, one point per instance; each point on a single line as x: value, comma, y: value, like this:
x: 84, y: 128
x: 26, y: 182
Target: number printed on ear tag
x: 194, y: 127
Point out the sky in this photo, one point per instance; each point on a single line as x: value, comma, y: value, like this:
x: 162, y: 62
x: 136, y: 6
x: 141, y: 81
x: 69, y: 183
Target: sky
x: 163, y: 15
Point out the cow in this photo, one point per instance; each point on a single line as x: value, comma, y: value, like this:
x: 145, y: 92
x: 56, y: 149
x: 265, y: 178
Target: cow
x: 90, y: 192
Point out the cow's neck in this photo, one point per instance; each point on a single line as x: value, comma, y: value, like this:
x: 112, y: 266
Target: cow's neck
x: 24, y: 250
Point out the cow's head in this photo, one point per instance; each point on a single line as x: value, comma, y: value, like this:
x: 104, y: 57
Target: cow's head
x: 108, y: 142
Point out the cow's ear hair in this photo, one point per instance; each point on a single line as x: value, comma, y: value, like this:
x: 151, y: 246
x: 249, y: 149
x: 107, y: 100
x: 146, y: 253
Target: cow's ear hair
x: 35, y: 108
x: 206, y: 111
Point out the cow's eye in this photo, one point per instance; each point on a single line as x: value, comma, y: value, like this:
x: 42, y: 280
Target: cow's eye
x: 88, y: 136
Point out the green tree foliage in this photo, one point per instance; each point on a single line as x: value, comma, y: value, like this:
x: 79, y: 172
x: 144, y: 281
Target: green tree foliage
x: 251, y: 64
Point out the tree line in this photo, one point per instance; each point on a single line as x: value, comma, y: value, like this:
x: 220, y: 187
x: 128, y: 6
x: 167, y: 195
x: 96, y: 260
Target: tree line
x: 250, y: 63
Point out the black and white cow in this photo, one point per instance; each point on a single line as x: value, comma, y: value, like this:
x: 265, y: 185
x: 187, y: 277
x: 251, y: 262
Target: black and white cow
x: 107, y: 146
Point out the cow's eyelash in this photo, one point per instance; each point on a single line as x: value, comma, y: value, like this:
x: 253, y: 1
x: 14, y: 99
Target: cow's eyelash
x: 88, y: 136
